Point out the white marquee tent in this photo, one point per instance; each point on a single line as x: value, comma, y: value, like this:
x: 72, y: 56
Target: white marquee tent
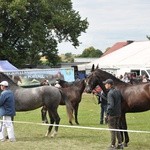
x: 136, y: 54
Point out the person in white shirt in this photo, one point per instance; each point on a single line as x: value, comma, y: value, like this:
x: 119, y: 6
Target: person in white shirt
x: 7, y: 111
x: 57, y: 84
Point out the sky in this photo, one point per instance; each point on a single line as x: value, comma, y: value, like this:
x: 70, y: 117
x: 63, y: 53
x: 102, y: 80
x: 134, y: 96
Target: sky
x: 110, y: 21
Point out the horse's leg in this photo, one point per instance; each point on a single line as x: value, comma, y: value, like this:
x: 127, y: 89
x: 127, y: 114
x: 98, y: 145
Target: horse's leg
x: 70, y: 121
x: 57, y: 120
x: 44, y: 114
x: 76, y: 113
x: 51, y: 123
x: 124, y: 126
x: 121, y: 127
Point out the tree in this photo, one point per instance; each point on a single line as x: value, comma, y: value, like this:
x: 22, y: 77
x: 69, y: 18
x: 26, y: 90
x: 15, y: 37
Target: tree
x: 32, y: 27
x: 91, y: 52
x: 69, y: 57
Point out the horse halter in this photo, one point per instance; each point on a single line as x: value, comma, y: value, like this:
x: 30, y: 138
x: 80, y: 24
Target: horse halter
x: 88, y: 87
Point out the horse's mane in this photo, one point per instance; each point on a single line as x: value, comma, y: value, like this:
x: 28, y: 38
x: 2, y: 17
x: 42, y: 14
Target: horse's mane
x: 79, y: 82
x: 108, y: 76
x: 7, y: 78
x: 64, y: 83
x: 76, y: 84
x: 77, y: 87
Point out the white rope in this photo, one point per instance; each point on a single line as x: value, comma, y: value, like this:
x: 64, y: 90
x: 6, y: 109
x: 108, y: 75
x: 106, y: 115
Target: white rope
x: 83, y: 127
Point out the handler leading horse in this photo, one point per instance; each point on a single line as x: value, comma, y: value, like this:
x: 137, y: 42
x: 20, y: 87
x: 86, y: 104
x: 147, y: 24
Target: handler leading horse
x: 136, y: 98
x: 32, y: 98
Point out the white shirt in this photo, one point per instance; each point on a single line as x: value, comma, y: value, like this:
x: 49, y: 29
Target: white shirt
x: 57, y: 85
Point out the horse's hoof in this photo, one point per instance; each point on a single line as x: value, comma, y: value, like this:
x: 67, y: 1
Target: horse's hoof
x: 46, y: 135
x: 45, y: 122
x: 125, y: 144
x: 70, y: 123
x: 54, y: 134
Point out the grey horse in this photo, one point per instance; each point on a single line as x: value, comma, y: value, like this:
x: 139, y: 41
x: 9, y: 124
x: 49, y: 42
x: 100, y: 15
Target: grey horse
x: 27, y: 99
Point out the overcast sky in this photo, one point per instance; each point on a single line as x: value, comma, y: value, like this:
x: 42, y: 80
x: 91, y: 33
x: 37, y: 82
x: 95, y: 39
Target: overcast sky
x: 110, y: 21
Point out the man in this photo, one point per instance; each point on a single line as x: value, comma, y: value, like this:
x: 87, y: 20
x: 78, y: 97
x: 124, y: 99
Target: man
x: 7, y: 111
x: 102, y: 97
x: 113, y: 113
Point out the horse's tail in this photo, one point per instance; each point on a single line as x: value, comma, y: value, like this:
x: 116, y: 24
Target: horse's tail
x: 68, y: 104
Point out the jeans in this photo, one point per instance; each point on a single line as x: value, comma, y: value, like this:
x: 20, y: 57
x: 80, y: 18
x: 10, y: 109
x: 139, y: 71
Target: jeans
x: 103, y: 112
x: 6, y: 125
x: 113, y: 123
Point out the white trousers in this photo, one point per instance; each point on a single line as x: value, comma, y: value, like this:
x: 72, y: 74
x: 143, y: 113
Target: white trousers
x: 6, y: 128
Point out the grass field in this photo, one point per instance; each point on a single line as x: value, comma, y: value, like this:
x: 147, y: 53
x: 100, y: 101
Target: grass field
x: 31, y: 136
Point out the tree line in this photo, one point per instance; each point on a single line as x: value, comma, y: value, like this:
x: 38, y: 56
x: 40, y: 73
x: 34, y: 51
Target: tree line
x: 30, y: 29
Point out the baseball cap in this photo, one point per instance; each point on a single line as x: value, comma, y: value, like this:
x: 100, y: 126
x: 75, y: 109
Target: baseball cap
x: 109, y: 81
x: 4, y: 83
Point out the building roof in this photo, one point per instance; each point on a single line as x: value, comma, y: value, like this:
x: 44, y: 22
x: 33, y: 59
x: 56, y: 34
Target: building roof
x: 116, y: 46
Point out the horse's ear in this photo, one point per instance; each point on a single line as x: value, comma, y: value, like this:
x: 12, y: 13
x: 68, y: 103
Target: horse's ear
x: 97, y: 66
x: 92, y: 68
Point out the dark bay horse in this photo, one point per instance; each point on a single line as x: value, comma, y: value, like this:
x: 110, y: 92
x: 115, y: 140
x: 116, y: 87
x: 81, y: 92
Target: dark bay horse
x: 136, y: 98
x: 73, y: 91
x: 65, y: 84
x: 27, y: 99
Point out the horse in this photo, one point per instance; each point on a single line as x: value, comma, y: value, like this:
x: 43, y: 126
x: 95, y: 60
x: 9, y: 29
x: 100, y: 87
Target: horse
x: 65, y: 84
x: 73, y: 91
x: 136, y: 98
x: 16, y: 78
x: 27, y: 99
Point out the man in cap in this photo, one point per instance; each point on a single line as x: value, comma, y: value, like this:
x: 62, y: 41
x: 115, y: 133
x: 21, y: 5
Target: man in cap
x: 114, y: 98
x: 7, y: 111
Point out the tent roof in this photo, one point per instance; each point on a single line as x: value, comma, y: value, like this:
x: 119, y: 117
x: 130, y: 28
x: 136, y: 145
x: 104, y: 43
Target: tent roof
x: 115, y: 47
x: 136, y: 54
x: 6, y: 66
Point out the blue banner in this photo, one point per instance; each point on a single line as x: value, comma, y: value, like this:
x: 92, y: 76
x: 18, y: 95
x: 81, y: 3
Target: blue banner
x: 36, y: 76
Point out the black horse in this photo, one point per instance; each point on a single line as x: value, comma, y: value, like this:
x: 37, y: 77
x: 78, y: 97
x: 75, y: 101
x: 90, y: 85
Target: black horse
x: 73, y: 91
x: 27, y: 99
x: 136, y: 98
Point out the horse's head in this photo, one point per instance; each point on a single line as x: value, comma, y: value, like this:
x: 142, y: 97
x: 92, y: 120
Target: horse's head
x: 91, y: 82
x: 93, y: 79
x: 4, y: 77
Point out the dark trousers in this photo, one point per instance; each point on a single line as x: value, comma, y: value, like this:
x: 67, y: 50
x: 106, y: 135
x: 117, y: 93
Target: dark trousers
x: 103, y: 112
x: 113, y: 123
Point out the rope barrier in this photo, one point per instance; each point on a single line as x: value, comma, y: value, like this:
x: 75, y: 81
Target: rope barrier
x: 83, y: 127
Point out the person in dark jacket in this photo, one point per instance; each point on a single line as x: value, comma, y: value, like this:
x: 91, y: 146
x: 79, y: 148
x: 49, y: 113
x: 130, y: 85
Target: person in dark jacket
x: 114, y: 98
x: 102, y: 100
x: 7, y: 111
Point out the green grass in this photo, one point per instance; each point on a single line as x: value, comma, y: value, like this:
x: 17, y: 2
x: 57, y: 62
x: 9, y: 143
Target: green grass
x: 31, y: 136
